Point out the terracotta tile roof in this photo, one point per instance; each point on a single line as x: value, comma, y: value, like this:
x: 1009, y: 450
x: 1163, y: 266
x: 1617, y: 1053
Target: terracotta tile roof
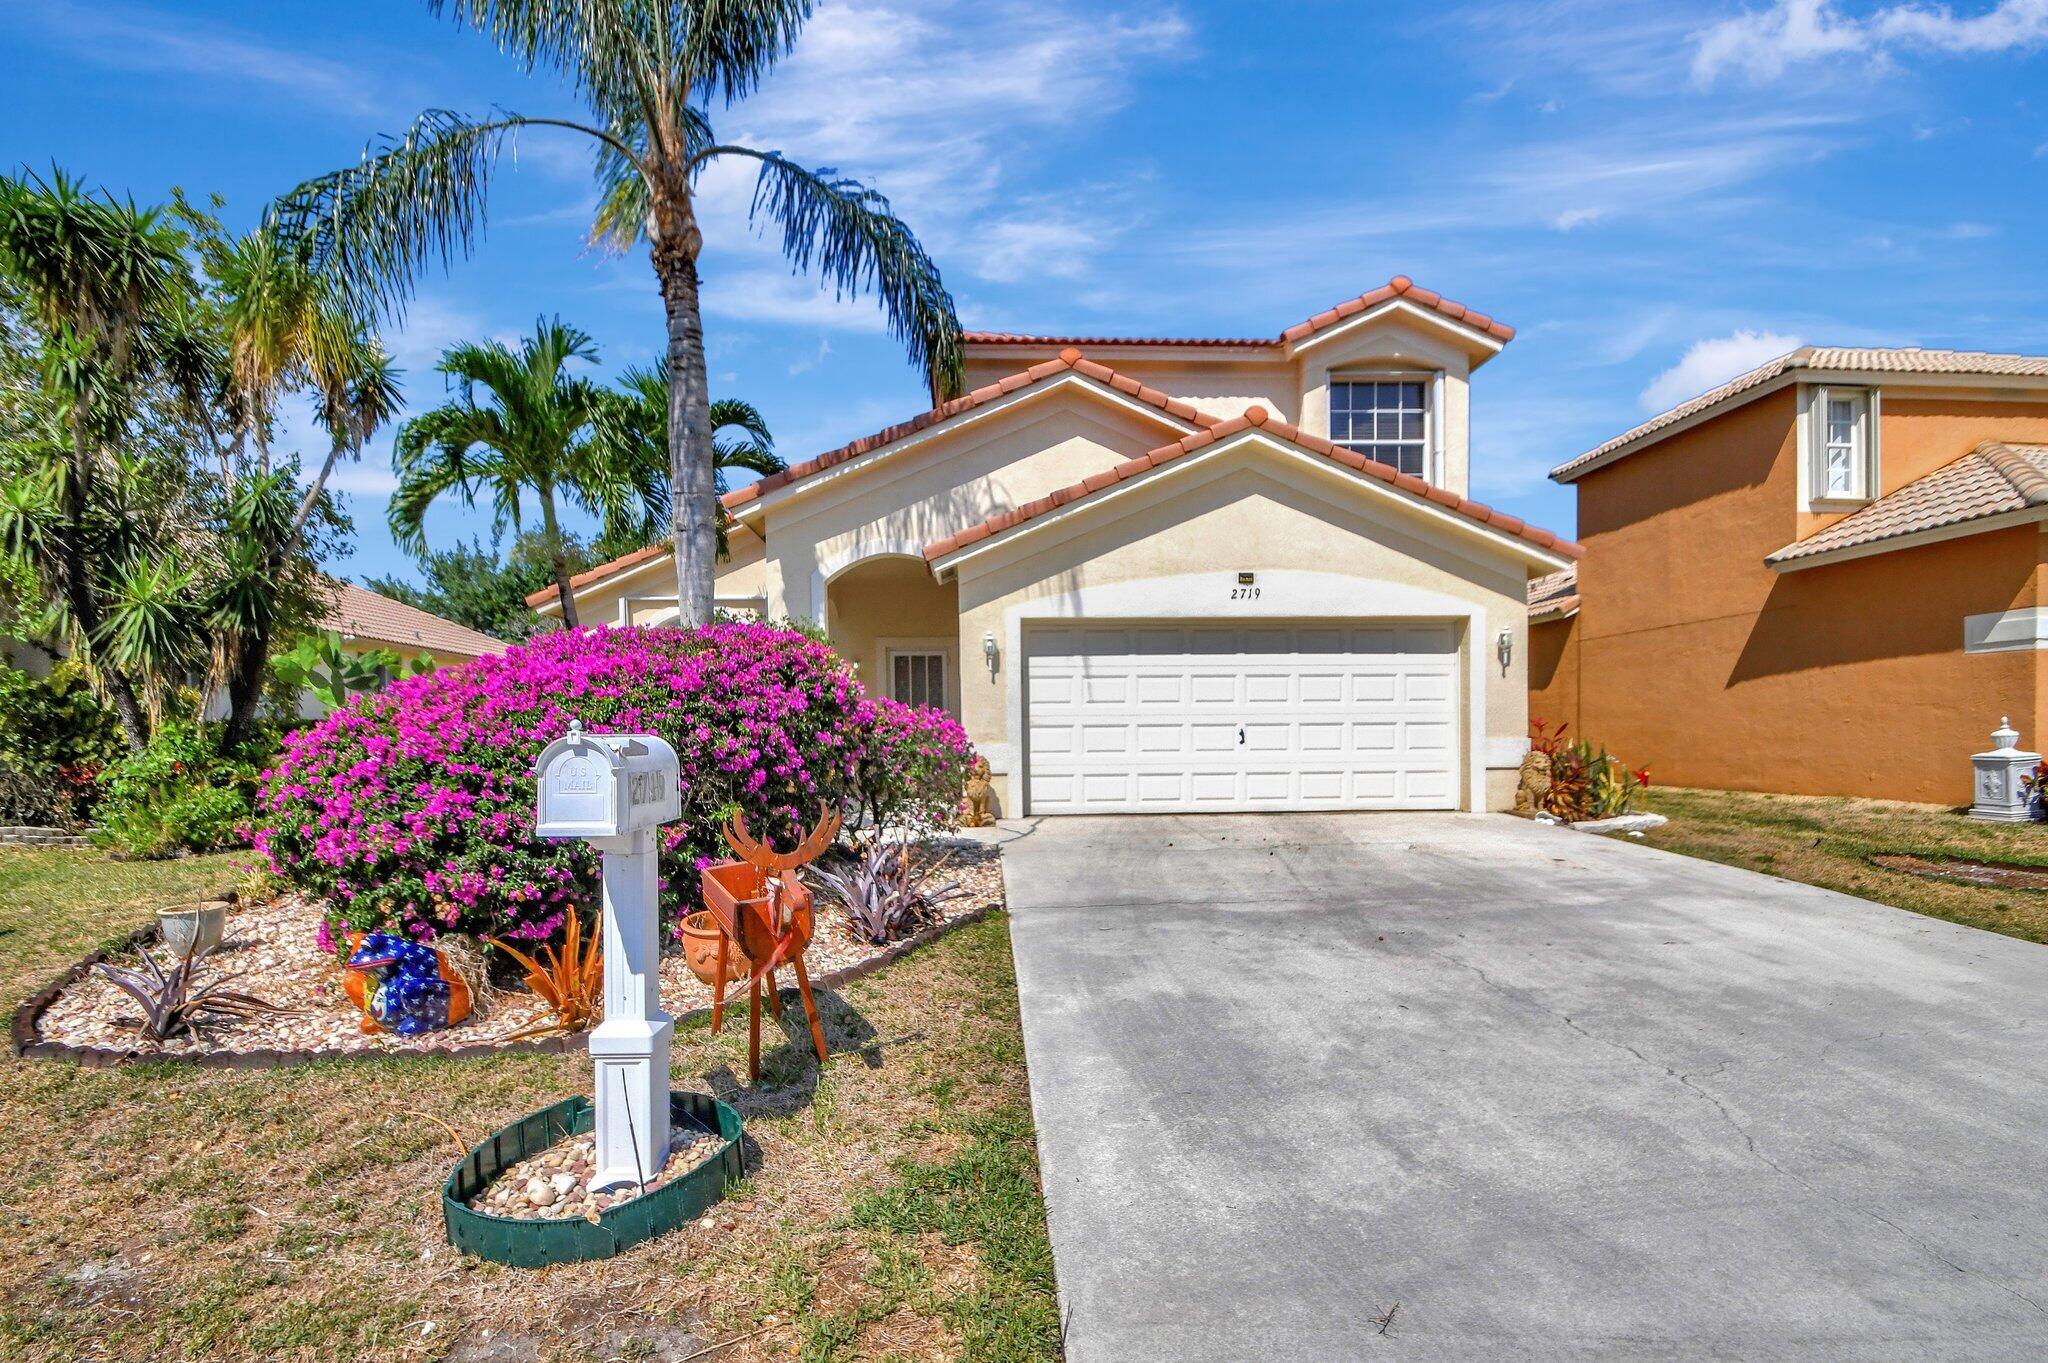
x: 1400, y: 286
x: 1253, y: 416
x: 1991, y: 480
x: 360, y: 613
x: 1849, y: 359
x: 1554, y: 595
x: 578, y: 581
x: 1066, y: 360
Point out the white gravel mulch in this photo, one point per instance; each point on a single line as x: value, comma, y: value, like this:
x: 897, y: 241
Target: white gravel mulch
x: 555, y: 1184
x: 272, y: 949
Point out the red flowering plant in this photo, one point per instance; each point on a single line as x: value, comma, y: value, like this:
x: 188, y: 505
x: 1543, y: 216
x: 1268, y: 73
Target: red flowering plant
x: 412, y: 810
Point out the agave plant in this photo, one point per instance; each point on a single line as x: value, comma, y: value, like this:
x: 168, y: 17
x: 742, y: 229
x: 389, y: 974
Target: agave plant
x: 172, y: 1001
x: 570, y: 980
x: 884, y: 894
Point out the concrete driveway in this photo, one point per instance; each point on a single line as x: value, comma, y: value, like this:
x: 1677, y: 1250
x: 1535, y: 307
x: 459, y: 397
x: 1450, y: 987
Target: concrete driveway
x: 1557, y: 1097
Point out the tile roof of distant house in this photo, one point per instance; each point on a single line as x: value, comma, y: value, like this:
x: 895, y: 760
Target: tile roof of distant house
x: 1068, y: 360
x: 359, y: 613
x: 1993, y: 480
x: 1825, y: 359
x: 1554, y: 596
x: 1253, y: 416
x: 1400, y: 286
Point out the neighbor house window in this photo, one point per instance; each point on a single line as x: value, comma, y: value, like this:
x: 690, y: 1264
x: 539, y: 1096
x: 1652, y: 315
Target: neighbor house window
x: 1844, y: 445
x: 918, y: 679
x: 1383, y: 419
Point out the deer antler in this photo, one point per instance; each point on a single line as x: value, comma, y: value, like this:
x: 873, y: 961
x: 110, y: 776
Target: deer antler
x: 750, y: 849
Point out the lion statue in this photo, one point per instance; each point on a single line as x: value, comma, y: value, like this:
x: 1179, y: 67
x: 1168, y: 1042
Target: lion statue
x: 1533, y: 784
x: 980, y: 796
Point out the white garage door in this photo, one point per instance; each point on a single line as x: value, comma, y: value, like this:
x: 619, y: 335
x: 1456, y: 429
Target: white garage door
x: 1231, y: 717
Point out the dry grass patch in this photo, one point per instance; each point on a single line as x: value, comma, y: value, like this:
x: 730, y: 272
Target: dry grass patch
x: 1829, y: 841
x: 161, y: 1212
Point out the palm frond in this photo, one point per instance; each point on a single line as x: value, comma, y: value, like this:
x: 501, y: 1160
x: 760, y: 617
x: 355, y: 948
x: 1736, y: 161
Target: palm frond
x: 728, y: 46
x: 857, y: 244
x: 375, y: 225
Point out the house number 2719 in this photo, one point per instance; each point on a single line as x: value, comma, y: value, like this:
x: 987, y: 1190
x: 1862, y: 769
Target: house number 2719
x: 1244, y: 593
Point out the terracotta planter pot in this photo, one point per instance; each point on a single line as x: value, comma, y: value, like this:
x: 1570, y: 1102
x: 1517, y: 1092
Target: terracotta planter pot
x: 700, y: 951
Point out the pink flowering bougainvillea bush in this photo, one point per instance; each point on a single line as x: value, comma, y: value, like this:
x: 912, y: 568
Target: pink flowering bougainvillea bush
x: 412, y: 809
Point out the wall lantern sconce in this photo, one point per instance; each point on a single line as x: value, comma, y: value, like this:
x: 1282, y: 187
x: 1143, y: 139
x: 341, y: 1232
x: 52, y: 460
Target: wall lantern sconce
x: 1504, y: 649
x: 989, y: 653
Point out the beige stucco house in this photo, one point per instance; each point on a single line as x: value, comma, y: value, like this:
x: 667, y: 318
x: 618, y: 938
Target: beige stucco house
x: 1171, y: 575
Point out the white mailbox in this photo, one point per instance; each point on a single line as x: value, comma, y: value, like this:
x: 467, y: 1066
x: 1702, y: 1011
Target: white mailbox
x: 606, y: 785
x: 615, y: 790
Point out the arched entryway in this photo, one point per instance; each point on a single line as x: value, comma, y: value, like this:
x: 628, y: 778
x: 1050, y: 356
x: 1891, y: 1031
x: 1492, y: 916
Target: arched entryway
x: 899, y: 628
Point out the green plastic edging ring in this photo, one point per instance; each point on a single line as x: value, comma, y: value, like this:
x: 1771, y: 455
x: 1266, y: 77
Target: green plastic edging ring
x: 539, y: 1243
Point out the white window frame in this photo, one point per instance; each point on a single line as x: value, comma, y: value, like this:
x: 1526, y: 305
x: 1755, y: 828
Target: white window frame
x: 943, y: 649
x: 1432, y: 396
x: 1815, y: 443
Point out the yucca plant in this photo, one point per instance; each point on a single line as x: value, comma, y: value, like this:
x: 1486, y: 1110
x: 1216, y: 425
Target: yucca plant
x: 570, y: 980
x: 884, y: 893
x: 172, y: 1002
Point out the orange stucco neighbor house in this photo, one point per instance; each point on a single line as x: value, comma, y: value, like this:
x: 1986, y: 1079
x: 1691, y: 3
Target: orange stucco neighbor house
x: 1169, y: 574
x: 1827, y: 576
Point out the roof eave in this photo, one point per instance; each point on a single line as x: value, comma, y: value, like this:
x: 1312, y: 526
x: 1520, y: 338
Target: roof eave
x: 1982, y: 525
x: 753, y: 511
x: 1525, y: 550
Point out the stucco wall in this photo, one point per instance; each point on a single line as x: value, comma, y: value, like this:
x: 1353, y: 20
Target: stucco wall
x: 1222, y: 388
x: 894, y: 603
x: 1322, y: 548
x: 1296, y: 386
x: 648, y: 593
x: 1698, y: 661
x: 1554, y: 673
x: 945, y: 484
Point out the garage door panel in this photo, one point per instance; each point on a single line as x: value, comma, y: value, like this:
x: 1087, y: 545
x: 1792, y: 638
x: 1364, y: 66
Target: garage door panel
x: 1220, y: 716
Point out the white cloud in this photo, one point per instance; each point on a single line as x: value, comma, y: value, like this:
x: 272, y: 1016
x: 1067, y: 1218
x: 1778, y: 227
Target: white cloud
x: 946, y: 108
x: 159, y: 42
x: 806, y: 363
x: 1763, y: 44
x: 1712, y: 361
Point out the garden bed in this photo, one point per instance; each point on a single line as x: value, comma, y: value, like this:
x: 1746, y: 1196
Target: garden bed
x: 2000, y: 875
x: 273, y: 951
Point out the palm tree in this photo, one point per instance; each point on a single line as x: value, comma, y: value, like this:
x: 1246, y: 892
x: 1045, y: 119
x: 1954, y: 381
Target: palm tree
x: 640, y: 419
x: 271, y: 324
x: 535, y: 432
x: 647, y: 74
x: 95, y: 271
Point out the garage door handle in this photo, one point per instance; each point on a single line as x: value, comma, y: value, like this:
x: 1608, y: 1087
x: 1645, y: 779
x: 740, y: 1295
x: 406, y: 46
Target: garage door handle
x: 1240, y: 735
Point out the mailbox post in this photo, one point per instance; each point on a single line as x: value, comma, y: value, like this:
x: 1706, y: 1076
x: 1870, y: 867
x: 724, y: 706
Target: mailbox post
x: 614, y: 791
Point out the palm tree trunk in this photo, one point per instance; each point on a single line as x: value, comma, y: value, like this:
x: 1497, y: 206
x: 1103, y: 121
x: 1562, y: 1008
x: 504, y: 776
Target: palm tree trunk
x: 245, y: 692
x: 693, y: 496
x: 85, y: 608
x: 558, y: 559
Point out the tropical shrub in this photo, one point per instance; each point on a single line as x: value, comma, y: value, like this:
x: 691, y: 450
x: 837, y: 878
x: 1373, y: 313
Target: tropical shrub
x: 412, y: 810
x: 320, y: 667
x: 1585, y: 782
x: 55, y: 738
x: 884, y: 892
x: 913, y: 767
x: 181, y: 793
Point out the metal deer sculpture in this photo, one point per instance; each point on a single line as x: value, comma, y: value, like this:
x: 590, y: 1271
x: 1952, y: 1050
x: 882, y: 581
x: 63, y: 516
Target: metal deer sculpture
x: 764, y: 912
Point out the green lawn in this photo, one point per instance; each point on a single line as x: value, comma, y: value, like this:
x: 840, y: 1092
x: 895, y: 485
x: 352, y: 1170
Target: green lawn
x: 159, y: 1212
x: 1828, y: 841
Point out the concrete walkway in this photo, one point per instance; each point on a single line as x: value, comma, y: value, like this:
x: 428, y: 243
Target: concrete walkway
x: 1556, y: 1096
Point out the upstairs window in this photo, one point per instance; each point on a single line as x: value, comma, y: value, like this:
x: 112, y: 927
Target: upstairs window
x: 1383, y: 419
x: 1844, y: 445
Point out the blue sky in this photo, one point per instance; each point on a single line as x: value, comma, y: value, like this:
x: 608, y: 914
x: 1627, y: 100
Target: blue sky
x: 1657, y: 194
